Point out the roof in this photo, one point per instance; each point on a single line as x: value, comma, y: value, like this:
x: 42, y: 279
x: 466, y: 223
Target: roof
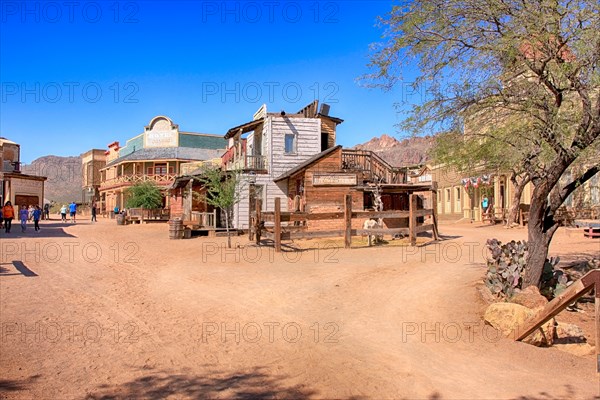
x: 169, y: 153
x: 5, y: 140
x: 246, y: 127
x: 306, y: 163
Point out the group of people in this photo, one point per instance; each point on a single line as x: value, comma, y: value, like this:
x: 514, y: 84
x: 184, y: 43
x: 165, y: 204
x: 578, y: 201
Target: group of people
x: 34, y: 213
x: 8, y: 213
x: 72, y: 209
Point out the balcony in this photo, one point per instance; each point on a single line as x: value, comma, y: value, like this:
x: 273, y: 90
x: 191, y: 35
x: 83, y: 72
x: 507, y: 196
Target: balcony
x: 234, y: 159
x: 132, y: 179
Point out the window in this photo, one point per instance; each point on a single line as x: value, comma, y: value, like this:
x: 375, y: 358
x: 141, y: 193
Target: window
x: 448, y: 195
x: 290, y: 143
x: 160, y: 169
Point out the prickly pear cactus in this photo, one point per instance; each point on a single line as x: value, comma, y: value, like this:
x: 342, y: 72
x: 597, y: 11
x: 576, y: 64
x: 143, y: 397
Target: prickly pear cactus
x: 506, y: 266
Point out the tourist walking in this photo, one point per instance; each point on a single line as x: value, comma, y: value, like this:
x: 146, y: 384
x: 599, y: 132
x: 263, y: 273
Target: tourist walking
x: 37, y: 214
x: 47, y: 211
x: 94, y: 210
x: 8, y: 213
x: 73, y: 212
x: 63, y: 213
x: 24, y: 216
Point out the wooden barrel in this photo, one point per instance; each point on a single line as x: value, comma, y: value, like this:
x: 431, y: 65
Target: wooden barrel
x: 120, y: 219
x: 176, y: 228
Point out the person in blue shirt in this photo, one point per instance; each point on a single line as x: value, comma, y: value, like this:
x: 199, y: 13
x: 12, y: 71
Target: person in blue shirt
x: 23, y: 216
x: 73, y: 212
x: 37, y: 215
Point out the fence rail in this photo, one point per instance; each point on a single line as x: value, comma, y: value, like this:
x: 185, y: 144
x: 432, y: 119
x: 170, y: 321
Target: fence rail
x: 278, y: 232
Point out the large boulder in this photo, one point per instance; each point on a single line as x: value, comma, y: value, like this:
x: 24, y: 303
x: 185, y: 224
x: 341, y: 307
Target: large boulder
x: 530, y: 298
x: 509, y: 317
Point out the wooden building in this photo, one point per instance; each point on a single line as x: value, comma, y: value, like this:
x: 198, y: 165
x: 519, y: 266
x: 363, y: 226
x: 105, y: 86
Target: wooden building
x: 268, y: 146
x: 18, y: 188
x: 320, y: 184
x: 154, y: 155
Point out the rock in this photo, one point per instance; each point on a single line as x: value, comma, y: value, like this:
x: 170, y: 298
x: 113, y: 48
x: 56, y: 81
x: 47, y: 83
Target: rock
x: 577, y: 349
x: 569, y: 333
x: 507, y: 317
x: 530, y: 298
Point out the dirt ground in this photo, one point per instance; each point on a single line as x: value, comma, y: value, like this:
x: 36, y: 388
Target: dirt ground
x: 104, y: 311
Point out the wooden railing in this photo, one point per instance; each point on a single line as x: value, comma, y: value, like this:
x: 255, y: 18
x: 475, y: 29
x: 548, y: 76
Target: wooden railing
x: 204, y: 219
x: 145, y: 214
x: 247, y: 163
x: 373, y: 166
x: 132, y: 179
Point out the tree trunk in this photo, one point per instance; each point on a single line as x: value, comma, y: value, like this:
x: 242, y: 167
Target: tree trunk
x: 540, y: 230
x: 516, y: 201
x: 227, y: 228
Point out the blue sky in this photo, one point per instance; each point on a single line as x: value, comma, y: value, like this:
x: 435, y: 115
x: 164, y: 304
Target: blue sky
x: 79, y: 75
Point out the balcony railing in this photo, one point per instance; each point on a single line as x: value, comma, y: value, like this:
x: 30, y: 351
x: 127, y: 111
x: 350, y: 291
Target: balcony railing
x: 247, y: 163
x: 132, y: 179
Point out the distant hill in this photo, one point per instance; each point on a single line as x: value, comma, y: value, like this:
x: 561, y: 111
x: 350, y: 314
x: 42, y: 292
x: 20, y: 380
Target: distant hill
x: 400, y: 153
x: 64, y: 177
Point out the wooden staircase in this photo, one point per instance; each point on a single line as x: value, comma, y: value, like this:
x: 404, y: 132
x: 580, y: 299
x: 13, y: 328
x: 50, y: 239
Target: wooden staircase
x: 372, y: 167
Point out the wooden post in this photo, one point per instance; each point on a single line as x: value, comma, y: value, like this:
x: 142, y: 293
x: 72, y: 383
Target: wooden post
x: 348, y: 221
x: 277, y: 228
x: 412, y: 219
x: 251, y: 225
x: 597, y: 295
x: 436, y: 234
x: 258, y: 221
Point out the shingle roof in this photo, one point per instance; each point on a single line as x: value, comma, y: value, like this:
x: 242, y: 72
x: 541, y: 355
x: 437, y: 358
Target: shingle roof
x: 169, y: 153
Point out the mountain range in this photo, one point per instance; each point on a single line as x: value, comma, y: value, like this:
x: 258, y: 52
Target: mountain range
x: 64, y: 177
x: 410, y: 151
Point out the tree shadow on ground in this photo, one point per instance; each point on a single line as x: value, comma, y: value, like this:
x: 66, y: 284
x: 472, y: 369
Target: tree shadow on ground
x: 255, y: 384
x: 8, y: 385
x: 569, y: 390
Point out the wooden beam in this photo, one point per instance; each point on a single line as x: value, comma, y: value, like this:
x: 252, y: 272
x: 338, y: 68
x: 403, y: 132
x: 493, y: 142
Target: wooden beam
x: 434, y: 216
x: 348, y: 221
x: 277, y: 228
x: 377, y: 231
x: 312, y: 235
x: 412, y: 219
x: 258, y: 220
x: 560, y: 302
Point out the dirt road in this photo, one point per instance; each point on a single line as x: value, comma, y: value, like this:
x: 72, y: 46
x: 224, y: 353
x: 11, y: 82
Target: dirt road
x: 104, y: 311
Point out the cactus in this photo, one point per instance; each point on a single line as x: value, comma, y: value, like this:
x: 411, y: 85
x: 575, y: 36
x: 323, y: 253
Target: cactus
x: 505, y: 267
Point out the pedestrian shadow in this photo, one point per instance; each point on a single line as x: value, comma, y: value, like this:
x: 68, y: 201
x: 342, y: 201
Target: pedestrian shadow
x: 19, y: 266
x: 47, y: 230
x: 255, y: 384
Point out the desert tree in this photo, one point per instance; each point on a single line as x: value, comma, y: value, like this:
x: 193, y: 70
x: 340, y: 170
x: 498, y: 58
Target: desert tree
x: 222, y: 190
x: 144, y: 194
x: 535, y: 61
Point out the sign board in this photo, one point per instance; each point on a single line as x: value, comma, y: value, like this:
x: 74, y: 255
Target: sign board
x: 334, y: 180
x: 161, y: 138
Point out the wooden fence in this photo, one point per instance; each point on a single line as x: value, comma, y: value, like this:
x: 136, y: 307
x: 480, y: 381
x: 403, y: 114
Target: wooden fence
x: 278, y: 232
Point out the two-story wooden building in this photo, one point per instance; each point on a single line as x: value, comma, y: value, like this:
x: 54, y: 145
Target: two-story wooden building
x: 268, y: 146
x: 154, y: 155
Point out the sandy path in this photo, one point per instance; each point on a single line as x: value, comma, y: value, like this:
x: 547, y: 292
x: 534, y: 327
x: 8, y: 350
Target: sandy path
x: 129, y: 313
